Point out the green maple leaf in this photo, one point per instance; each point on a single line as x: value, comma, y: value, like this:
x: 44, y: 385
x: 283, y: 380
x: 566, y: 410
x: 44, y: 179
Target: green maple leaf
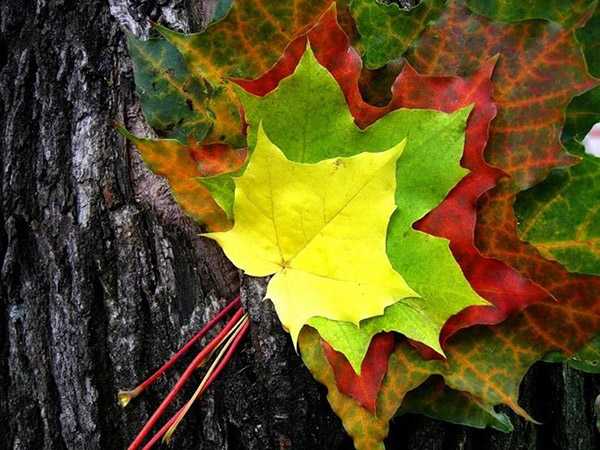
x: 561, y: 216
x: 567, y: 13
x: 387, y: 31
x: 308, y: 119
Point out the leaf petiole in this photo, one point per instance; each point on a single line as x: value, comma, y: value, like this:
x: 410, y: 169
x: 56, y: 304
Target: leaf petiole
x: 216, y: 367
x: 124, y: 397
x: 202, y: 355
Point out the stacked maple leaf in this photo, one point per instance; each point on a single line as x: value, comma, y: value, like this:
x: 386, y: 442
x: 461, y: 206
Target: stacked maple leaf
x: 389, y: 227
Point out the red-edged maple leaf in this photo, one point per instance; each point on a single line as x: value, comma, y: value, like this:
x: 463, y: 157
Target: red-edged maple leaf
x: 454, y: 218
x: 365, y: 387
x: 533, y: 83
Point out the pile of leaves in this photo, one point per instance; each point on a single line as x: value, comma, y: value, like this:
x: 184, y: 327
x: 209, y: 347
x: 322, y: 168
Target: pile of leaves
x: 413, y: 181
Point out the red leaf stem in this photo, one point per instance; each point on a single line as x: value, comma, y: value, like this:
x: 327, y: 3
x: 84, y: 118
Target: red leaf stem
x: 218, y: 365
x: 163, y: 430
x: 126, y: 396
x: 204, y: 353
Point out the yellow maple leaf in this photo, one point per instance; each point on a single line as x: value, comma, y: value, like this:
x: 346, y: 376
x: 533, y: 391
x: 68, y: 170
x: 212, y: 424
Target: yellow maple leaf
x: 321, y: 229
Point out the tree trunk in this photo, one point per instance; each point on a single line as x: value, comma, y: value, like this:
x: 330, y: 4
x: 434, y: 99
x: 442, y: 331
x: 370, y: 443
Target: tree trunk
x: 102, y: 279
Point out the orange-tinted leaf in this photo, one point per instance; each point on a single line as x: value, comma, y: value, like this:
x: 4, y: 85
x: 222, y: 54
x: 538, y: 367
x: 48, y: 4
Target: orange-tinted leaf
x: 540, y: 68
x: 364, y: 388
x: 367, y: 430
x: 183, y: 165
x: 215, y: 159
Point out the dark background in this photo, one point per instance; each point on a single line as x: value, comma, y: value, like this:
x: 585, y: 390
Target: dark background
x: 102, y: 279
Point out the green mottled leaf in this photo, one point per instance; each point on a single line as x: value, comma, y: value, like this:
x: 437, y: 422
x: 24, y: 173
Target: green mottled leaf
x: 436, y: 400
x: 387, y: 31
x: 566, y: 12
x: 323, y: 128
x: 589, y: 37
x: 561, y: 216
x: 174, y: 101
x: 587, y: 359
x: 245, y: 43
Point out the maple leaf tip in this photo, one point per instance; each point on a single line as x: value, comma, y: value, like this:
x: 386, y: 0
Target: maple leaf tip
x: 398, y: 149
x: 309, y: 55
x: 294, y: 335
x: 120, y: 128
x: 167, y: 33
x: 521, y: 412
x: 493, y: 61
x: 468, y: 110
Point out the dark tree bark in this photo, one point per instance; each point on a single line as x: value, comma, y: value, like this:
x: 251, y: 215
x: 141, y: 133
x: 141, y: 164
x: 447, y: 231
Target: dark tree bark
x: 102, y: 279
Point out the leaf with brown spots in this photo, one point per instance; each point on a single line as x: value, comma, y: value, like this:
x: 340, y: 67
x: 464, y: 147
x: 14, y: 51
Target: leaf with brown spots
x: 174, y: 102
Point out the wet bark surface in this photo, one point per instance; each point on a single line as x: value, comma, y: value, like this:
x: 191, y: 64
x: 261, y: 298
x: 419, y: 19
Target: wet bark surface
x: 102, y: 278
